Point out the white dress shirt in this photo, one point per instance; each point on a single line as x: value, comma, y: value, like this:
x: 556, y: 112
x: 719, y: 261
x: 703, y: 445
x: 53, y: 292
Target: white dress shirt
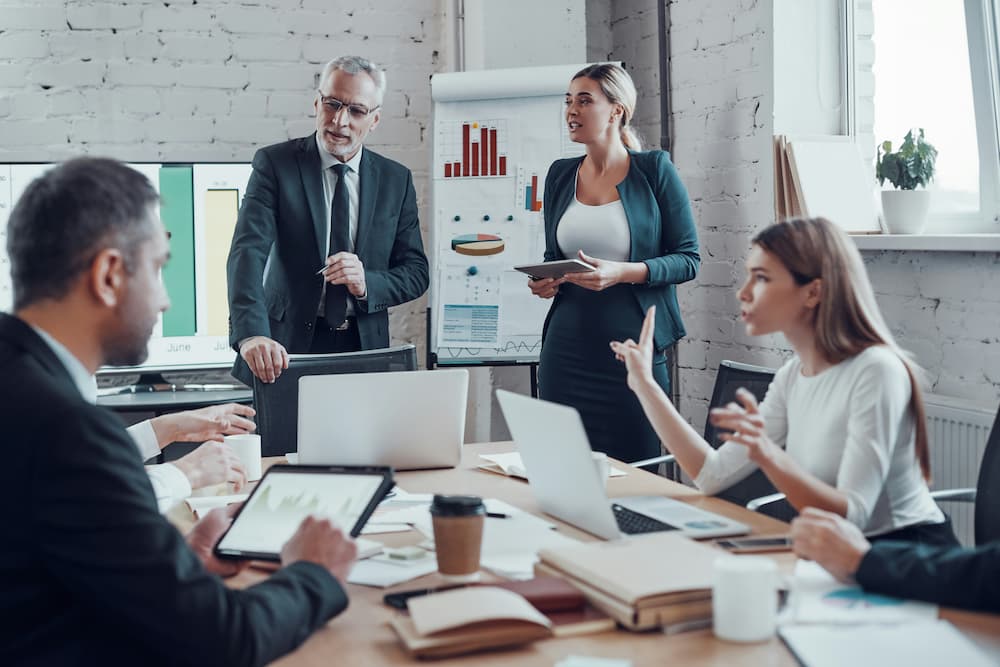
x: 353, y: 189
x: 170, y: 485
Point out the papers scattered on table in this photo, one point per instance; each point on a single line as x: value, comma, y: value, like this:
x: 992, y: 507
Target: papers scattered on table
x: 816, y: 597
x: 380, y: 571
x: 510, y: 545
x: 911, y: 644
x: 202, y: 505
x: 510, y: 464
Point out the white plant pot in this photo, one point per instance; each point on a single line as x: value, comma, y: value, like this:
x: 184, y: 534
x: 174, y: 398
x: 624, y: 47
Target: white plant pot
x: 905, y: 211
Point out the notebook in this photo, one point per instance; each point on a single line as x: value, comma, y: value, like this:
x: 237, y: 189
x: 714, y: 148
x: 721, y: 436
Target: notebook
x: 468, y: 619
x: 668, y: 579
x: 564, y: 480
x: 407, y: 420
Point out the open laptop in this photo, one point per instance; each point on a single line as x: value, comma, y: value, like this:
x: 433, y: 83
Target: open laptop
x: 407, y: 420
x: 565, y: 482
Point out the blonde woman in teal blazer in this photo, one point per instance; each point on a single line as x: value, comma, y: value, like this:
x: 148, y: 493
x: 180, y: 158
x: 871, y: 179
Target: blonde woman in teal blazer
x: 627, y: 213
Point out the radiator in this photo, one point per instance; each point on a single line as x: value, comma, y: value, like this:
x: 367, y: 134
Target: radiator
x: 958, y: 432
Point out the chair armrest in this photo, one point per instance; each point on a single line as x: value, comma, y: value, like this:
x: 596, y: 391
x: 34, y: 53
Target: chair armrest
x: 666, y: 458
x: 955, y: 495
x: 755, y: 504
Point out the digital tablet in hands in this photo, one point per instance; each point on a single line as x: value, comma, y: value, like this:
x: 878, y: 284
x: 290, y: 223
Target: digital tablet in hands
x: 287, y: 494
x: 556, y: 269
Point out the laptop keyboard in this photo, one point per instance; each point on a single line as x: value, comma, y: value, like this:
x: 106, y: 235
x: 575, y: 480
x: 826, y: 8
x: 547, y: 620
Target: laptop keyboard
x: 633, y: 523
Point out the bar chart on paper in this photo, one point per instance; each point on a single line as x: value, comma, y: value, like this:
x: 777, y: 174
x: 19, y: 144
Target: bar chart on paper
x: 472, y: 149
x: 529, y: 190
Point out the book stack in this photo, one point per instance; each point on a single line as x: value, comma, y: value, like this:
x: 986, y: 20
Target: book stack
x: 643, y: 582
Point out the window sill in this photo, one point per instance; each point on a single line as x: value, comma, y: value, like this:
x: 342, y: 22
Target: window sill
x: 929, y: 242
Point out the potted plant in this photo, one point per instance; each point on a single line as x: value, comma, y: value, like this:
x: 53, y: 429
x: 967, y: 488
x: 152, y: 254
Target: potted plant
x: 912, y: 166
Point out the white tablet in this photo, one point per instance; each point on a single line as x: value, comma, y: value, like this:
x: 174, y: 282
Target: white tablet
x: 555, y: 269
x: 286, y: 494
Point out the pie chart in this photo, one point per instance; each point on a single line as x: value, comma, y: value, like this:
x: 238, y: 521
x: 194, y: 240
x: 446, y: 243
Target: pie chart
x: 477, y: 244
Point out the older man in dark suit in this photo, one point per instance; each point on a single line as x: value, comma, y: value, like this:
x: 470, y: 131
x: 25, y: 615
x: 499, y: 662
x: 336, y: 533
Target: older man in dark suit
x: 327, y: 238
x: 92, y: 572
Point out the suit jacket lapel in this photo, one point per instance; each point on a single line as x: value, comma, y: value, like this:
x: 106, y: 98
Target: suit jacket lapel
x: 368, y: 176
x: 310, y: 169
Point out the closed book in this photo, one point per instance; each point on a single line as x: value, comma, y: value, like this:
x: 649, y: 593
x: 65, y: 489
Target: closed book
x: 643, y: 581
x: 469, y: 619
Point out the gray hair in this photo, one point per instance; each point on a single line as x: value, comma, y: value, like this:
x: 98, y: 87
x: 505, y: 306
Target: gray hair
x: 355, y: 65
x: 66, y: 216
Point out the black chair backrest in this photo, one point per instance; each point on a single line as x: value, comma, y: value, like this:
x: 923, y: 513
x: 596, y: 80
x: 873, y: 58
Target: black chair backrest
x: 756, y: 379
x: 277, y: 404
x: 987, y: 511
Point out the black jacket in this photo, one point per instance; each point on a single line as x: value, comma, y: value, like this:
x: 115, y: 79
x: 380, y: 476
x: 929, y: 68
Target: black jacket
x: 93, y: 574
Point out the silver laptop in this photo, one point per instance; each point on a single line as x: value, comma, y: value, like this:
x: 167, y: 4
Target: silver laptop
x: 565, y: 482
x: 407, y: 420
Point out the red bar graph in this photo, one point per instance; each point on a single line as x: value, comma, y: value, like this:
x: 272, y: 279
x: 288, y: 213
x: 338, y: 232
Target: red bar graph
x: 484, y: 145
x: 466, y: 170
x: 472, y: 148
x: 536, y: 205
x: 493, y: 151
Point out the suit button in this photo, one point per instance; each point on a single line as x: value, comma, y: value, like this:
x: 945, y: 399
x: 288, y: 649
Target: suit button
x: 309, y: 326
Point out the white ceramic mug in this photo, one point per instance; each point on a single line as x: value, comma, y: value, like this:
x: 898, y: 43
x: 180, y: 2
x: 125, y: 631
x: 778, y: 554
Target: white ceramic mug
x: 247, y: 448
x: 745, y: 598
x: 603, y: 466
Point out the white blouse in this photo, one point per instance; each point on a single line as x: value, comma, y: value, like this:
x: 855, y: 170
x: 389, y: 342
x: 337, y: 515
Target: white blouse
x: 851, y: 427
x: 599, y: 231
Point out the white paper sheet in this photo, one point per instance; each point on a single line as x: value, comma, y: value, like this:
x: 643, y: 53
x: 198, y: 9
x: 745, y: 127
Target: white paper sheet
x: 912, y: 644
x: 816, y: 597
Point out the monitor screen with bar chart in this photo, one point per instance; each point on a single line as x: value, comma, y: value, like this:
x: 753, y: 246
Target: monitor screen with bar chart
x: 199, y: 203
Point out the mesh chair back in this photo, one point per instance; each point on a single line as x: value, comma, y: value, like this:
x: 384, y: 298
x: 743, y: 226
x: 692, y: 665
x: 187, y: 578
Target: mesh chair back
x: 987, y: 511
x: 277, y: 404
x: 756, y: 379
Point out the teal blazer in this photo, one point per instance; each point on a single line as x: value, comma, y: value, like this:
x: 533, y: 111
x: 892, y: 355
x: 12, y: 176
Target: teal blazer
x: 661, y: 226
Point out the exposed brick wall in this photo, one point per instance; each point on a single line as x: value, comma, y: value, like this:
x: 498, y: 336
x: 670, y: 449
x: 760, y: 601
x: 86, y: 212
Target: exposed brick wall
x: 212, y: 80
x: 722, y: 115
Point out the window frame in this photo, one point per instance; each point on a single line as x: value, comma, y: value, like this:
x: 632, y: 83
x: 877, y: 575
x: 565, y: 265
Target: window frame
x: 982, y: 19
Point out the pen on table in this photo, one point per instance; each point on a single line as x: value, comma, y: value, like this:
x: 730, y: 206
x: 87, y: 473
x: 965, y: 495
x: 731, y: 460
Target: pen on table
x: 497, y: 515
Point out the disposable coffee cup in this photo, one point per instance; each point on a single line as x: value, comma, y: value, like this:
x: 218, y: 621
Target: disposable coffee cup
x: 458, y: 536
x: 603, y: 466
x: 247, y: 448
x: 745, y: 598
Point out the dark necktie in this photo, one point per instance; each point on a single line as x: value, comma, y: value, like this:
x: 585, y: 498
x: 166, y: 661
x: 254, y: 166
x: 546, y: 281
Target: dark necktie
x: 340, y: 241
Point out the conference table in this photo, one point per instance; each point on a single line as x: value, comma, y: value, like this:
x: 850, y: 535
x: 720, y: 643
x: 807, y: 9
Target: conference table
x: 362, y: 636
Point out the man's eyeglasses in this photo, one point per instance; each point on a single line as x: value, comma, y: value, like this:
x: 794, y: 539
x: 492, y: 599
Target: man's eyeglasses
x: 357, y: 111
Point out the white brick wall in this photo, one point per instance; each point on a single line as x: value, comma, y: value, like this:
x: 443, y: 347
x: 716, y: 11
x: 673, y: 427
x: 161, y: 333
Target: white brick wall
x: 209, y: 81
x: 943, y: 306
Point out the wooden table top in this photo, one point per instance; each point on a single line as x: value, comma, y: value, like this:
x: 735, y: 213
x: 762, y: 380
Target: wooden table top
x: 361, y: 635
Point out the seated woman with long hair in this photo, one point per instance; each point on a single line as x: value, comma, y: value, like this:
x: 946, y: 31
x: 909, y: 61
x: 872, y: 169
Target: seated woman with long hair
x: 842, y: 426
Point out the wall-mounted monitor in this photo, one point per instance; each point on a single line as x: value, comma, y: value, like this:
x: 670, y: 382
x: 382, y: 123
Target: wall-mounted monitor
x: 199, y: 205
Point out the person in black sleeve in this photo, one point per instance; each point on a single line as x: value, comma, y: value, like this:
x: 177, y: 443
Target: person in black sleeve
x: 92, y: 572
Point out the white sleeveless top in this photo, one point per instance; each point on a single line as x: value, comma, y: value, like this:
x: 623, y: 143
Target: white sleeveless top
x: 599, y: 231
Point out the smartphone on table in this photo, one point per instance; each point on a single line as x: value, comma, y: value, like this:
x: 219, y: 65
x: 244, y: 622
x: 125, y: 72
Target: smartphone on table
x: 748, y: 545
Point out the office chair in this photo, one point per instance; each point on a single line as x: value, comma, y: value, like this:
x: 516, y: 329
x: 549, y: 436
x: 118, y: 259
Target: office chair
x: 986, y: 495
x: 756, y: 379
x: 277, y: 403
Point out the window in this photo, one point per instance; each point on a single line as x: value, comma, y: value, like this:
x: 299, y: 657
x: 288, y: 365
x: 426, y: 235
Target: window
x: 935, y: 66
